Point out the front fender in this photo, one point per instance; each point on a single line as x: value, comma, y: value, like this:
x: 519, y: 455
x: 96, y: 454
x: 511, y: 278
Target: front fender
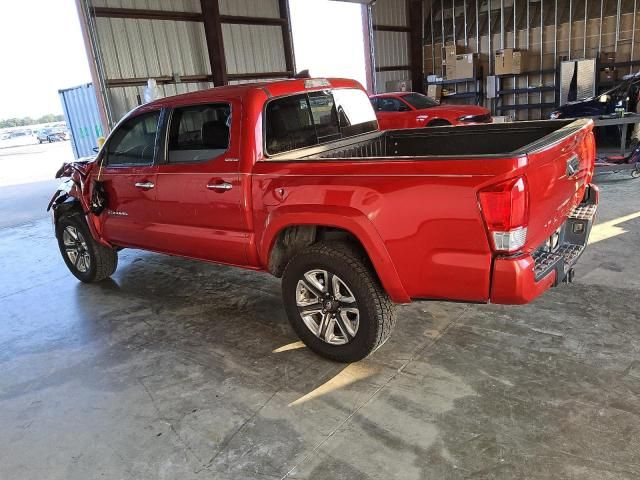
x: 346, y: 218
x: 72, y: 194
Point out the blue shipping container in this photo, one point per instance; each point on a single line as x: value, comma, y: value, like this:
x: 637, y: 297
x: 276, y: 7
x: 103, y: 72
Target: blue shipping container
x: 83, y: 118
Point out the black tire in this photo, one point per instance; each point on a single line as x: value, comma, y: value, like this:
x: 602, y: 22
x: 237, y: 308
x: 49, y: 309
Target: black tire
x: 438, y: 123
x: 102, y: 261
x: 376, y: 312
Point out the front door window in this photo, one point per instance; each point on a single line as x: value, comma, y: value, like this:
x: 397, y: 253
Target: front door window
x: 133, y: 143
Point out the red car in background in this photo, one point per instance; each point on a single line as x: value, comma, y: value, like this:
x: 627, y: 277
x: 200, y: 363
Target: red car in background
x: 413, y: 110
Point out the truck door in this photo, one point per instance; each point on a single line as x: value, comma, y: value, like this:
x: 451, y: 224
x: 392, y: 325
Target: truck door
x: 129, y: 177
x: 199, y: 195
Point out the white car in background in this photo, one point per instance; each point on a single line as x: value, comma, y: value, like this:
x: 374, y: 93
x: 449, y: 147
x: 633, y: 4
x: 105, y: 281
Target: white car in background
x: 16, y: 138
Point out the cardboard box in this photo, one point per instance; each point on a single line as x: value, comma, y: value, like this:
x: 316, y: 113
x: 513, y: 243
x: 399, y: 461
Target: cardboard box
x: 607, y: 58
x: 449, y: 52
x: 503, y: 61
x: 434, y: 92
x: 520, y: 62
x: 502, y: 119
x: 450, y: 70
x: 466, y: 65
x: 510, y: 61
x: 608, y: 75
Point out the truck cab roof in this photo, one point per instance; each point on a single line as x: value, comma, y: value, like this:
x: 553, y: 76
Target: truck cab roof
x: 274, y: 88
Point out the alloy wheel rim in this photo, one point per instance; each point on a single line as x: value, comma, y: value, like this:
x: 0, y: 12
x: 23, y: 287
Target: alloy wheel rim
x: 327, y: 307
x: 76, y: 249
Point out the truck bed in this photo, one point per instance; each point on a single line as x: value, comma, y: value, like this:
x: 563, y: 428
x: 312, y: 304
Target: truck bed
x: 494, y: 140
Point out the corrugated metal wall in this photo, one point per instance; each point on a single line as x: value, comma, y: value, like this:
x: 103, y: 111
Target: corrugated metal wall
x: 80, y: 108
x: 391, y: 48
x: 138, y: 48
x: 131, y: 50
x: 253, y: 8
x: 165, y: 5
x: 253, y: 48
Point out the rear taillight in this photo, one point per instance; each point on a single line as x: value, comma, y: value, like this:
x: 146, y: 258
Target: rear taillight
x: 505, y: 208
x: 591, y: 153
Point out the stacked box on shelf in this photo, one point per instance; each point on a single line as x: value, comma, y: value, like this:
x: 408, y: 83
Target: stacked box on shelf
x: 449, y: 54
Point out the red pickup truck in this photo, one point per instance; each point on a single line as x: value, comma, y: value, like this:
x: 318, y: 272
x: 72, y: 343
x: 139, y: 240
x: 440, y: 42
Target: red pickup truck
x: 295, y: 178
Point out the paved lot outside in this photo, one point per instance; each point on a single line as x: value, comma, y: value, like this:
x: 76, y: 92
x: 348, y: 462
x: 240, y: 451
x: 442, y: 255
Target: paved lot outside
x: 180, y: 369
x: 27, y: 179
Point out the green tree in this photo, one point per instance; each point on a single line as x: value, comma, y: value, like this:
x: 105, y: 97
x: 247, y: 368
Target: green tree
x: 25, y: 121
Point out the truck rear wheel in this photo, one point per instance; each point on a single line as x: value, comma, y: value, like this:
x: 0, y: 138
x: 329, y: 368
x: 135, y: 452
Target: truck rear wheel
x: 335, y: 302
x: 86, y: 259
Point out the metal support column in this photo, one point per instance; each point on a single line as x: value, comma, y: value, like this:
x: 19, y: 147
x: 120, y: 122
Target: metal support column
x: 414, y: 12
x: 215, y: 46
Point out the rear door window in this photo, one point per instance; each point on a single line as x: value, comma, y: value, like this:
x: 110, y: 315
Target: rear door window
x: 199, y: 133
x: 313, y: 118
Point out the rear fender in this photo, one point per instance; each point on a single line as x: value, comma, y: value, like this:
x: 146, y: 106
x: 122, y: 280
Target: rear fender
x: 346, y: 218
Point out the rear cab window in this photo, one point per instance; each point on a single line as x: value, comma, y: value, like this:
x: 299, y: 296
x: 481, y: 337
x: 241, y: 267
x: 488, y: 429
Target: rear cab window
x: 313, y: 118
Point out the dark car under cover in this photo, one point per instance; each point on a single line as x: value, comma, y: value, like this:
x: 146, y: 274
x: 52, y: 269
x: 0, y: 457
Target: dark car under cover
x: 623, y: 96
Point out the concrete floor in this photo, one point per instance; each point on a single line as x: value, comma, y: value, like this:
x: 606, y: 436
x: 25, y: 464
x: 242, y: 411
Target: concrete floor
x: 182, y: 370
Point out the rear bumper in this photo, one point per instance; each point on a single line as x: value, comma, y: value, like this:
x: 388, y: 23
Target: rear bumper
x: 520, y: 279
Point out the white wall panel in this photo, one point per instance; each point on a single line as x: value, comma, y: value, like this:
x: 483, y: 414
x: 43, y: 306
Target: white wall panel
x: 132, y: 48
x: 253, y: 48
x: 250, y: 8
x: 150, y: 48
x: 390, y: 12
x: 391, y: 49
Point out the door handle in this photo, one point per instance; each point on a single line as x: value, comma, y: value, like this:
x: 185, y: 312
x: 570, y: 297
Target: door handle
x: 145, y: 185
x: 220, y: 186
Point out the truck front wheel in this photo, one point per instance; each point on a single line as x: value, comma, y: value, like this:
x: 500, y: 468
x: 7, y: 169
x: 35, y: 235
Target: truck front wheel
x: 335, y: 302
x: 86, y: 259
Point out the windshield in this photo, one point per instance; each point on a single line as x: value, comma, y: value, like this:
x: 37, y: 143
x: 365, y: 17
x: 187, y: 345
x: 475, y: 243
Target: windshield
x: 313, y: 118
x: 419, y: 101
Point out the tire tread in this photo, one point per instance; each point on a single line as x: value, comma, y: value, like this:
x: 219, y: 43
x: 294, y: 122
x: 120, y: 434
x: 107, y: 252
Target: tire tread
x: 106, y: 259
x: 384, y: 314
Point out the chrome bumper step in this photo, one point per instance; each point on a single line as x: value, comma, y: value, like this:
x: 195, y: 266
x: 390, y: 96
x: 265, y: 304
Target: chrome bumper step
x: 573, y: 241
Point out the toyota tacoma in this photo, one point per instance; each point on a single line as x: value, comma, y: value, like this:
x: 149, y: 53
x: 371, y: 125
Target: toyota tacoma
x: 295, y: 178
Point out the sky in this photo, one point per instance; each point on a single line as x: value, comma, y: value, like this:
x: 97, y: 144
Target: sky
x: 42, y: 51
x: 325, y: 40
